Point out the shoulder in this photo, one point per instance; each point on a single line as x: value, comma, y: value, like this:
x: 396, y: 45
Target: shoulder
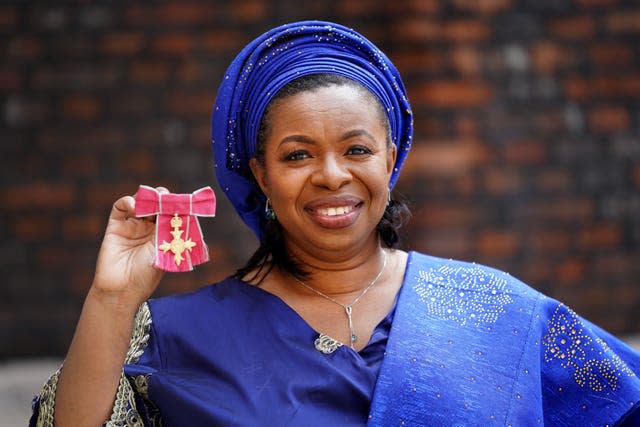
x: 464, y: 274
x: 196, y: 304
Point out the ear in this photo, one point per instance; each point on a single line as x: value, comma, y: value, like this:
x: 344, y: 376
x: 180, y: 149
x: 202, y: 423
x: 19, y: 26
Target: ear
x: 392, y: 153
x: 260, y: 174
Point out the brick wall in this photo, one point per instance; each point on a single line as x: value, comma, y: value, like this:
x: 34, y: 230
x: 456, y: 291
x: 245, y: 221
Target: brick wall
x: 527, y: 153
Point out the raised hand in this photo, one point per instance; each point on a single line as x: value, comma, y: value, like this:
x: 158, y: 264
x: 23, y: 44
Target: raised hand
x: 125, y: 268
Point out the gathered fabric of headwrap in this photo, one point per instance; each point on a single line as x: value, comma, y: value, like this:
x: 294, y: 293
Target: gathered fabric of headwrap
x: 263, y: 68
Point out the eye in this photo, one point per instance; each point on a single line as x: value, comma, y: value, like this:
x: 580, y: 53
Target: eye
x: 297, y: 155
x: 359, y: 150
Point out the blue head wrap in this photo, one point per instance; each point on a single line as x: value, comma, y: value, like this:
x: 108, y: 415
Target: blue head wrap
x: 269, y: 63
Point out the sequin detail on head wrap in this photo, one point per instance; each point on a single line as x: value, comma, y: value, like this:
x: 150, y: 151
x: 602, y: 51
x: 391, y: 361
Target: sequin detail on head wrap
x: 269, y: 63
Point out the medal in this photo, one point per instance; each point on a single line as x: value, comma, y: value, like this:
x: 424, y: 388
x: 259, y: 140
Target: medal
x: 177, y: 227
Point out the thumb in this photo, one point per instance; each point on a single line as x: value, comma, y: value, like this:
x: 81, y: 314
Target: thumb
x: 123, y: 208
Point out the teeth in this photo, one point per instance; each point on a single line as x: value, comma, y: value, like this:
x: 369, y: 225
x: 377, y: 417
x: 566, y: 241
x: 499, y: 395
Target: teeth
x: 335, y: 211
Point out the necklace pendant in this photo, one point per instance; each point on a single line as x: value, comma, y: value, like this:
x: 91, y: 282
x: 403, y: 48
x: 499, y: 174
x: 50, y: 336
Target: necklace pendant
x: 354, y: 338
x: 327, y: 345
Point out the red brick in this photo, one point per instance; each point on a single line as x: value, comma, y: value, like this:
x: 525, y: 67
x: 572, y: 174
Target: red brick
x: 102, y: 196
x: 83, y: 227
x: 132, y: 104
x: 497, y: 243
x: 10, y: 79
x: 190, y: 72
x: 616, y: 266
x: 573, y: 27
x: 201, y: 135
x: 570, y: 272
x: 502, y: 181
x: 223, y: 40
x: 467, y: 127
x: 358, y: 7
x: 418, y: 61
x: 548, y: 57
x: 549, y: 241
x: 588, y: 4
x: 450, y: 216
x: 485, y: 7
x: 408, y: 7
x: 186, y: 13
x: 470, y: 30
x: 446, y: 158
x: 80, y: 280
x: 81, y: 107
x: 129, y: 43
x: 611, y: 54
x: 553, y: 181
x: 38, y: 195
x: 431, y: 30
x: 249, y: 10
x: 623, y: 86
x: 191, y: 103
x: 600, y: 236
x: 609, y: 119
x: 466, y: 61
x: 627, y: 21
x: 445, y: 243
x: 8, y: 18
x: 80, y: 165
x: 564, y: 210
x: 137, y: 163
x: 34, y: 227
x: 173, y: 44
x: 150, y: 71
x: 453, y: 94
x: 525, y: 152
x: 24, y: 48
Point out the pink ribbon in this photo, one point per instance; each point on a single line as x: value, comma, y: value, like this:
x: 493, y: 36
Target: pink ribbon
x: 179, y: 241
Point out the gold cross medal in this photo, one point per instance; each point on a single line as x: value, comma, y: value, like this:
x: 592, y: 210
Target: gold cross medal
x: 177, y: 246
x: 177, y: 225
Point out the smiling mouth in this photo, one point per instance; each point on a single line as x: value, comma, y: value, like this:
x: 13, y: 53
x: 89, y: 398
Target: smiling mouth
x: 340, y: 210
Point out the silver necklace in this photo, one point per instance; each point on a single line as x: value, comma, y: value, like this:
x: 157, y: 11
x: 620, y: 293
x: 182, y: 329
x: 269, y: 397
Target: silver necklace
x: 347, y: 307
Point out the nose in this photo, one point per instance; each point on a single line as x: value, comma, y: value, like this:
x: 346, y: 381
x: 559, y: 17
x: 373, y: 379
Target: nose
x: 331, y: 173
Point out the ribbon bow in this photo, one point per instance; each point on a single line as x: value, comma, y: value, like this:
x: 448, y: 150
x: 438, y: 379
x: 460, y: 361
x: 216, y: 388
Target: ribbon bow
x: 179, y: 242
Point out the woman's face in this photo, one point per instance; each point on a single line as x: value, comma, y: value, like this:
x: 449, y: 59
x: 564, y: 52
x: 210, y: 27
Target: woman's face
x: 326, y: 169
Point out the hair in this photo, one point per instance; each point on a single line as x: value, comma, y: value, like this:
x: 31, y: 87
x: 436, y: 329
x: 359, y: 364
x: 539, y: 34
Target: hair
x: 272, y: 251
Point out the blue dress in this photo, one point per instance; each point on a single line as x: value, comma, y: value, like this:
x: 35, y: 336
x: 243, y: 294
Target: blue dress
x: 465, y: 345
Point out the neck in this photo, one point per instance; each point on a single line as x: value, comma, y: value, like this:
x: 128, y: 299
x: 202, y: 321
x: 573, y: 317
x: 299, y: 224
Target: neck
x: 344, y: 278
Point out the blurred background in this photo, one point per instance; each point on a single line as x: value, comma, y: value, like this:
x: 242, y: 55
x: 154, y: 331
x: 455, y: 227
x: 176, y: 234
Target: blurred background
x: 526, y: 155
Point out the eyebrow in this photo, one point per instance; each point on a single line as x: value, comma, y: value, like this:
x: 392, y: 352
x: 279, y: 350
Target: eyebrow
x: 347, y: 135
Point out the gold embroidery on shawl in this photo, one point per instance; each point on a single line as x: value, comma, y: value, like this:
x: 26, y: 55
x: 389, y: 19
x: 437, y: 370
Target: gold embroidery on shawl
x: 140, y: 334
x: 124, y: 409
x: 47, y: 401
x: 125, y: 412
x: 593, y: 364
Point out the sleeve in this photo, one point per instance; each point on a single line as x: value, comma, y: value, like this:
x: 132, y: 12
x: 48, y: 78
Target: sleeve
x: 588, y: 376
x: 131, y: 404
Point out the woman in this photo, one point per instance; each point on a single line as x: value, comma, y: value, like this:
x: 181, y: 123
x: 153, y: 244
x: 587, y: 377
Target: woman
x: 327, y: 324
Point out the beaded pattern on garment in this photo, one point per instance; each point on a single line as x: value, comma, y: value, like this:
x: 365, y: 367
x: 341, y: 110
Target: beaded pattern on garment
x: 592, y: 361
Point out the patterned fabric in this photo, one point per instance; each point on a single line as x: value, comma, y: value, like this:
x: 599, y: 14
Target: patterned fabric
x: 472, y: 346
x: 264, y: 67
x: 125, y: 409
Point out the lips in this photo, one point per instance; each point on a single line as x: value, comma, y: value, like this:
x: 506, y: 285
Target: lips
x: 334, y: 212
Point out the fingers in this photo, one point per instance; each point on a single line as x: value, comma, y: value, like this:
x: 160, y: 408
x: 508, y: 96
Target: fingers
x: 123, y: 208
